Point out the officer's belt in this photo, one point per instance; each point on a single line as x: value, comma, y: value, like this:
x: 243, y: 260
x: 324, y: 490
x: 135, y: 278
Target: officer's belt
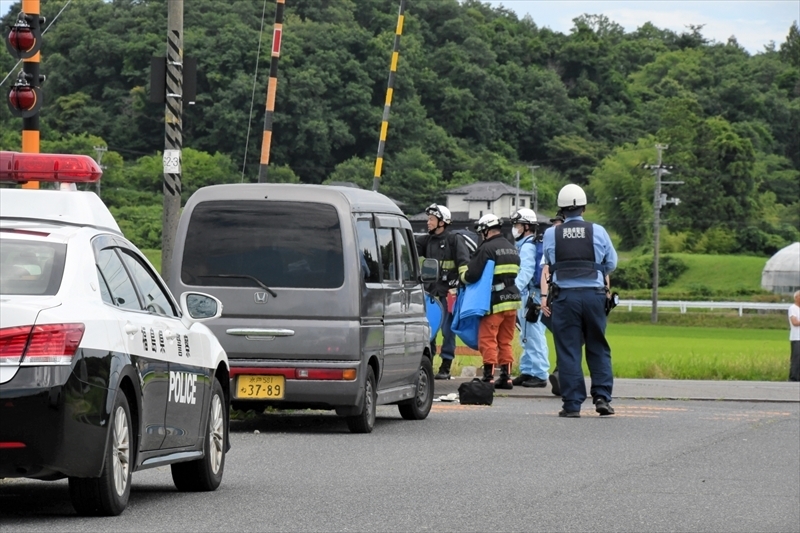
x: 574, y: 265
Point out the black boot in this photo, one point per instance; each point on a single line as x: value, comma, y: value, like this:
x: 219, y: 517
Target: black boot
x: 505, y: 378
x: 444, y: 369
x: 488, y: 373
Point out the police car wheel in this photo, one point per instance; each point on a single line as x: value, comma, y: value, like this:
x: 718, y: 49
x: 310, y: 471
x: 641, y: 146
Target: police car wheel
x: 419, y: 407
x: 108, y: 494
x: 365, y: 421
x: 206, y: 474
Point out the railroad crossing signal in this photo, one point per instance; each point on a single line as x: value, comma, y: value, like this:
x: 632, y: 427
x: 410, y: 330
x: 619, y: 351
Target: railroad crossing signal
x: 24, y: 40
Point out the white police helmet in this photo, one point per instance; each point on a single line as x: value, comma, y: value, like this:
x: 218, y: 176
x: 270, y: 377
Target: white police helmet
x: 487, y: 222
x: 524, y: 216
x: 440, y: 212
x: 571, y: 196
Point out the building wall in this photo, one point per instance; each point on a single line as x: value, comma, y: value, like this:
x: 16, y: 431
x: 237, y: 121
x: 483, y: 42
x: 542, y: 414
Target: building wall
x: 503, y: 207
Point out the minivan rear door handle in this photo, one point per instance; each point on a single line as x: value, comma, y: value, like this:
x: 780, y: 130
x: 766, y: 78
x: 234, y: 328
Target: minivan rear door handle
x: 260, y: 332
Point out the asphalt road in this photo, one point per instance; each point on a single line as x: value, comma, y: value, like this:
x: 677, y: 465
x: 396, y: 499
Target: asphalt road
x: 514, y: 466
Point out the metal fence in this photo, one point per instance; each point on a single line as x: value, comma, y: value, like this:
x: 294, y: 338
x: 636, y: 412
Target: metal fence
x: 683, y: 306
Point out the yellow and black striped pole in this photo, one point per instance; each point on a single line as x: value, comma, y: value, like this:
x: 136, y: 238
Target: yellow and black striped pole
x: 389, y: 90
x: 30, y: 125
x: 277, y: 33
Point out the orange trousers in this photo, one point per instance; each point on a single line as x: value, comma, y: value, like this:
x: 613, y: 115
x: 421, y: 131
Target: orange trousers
x: 495, y: 335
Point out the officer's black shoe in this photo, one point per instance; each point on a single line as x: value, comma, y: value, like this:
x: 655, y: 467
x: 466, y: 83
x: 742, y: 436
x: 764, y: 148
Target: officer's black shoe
x: 488, y: 373
x: 602, y: 407
x: 444, y: 369
x: 569, y: 414
x: 555, y: 385
x: 519, y: 380
x: 534, y: 382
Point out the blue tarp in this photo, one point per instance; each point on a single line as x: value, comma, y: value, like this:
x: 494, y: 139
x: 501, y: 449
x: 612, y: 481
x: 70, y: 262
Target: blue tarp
x: 435, y: 313
x: 472, y: 303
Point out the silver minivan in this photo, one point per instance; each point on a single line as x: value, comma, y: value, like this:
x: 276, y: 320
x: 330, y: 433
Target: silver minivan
x: 323, y: 304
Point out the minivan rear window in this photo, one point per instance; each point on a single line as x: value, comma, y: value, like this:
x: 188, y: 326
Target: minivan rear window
x: 282, y: 244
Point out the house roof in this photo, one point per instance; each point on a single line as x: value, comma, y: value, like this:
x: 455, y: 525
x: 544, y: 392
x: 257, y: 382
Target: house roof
x: 487, y: 191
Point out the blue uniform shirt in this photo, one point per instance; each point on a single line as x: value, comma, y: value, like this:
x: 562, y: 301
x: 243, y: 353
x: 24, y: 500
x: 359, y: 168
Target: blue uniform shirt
x: 604, y: 254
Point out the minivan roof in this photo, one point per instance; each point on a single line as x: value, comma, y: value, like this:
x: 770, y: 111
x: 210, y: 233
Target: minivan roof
x: 360, y: 200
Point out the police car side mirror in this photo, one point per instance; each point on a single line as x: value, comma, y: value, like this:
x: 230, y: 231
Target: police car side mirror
x: 430, y: 270
x: 200, y: 306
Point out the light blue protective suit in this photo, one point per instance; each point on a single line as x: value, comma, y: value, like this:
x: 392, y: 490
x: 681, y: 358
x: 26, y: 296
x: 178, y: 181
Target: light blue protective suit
x: 534, y: 359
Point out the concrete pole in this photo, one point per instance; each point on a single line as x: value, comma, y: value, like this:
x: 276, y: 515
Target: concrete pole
x: 656, y: 228
x: 173, y: 133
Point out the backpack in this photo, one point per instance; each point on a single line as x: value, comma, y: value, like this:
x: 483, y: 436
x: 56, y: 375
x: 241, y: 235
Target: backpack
x: 469, y: 238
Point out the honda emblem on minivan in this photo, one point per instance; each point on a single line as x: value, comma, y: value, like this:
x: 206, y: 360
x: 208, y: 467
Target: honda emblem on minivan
x: 260, y: 297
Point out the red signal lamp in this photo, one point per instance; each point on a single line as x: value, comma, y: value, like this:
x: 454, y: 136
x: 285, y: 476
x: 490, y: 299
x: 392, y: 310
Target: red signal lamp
x: 25, y: 98
x: 61, y: 168
x: 24, y: 40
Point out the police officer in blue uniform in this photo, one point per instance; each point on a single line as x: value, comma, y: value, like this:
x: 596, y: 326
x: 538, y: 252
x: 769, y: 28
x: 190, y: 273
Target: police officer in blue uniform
x: 579, y: 255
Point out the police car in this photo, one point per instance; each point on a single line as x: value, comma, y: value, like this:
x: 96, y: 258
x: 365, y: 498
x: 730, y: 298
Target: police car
x: 102, y: 372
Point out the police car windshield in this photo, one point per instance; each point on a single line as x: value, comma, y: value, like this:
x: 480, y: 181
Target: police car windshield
x: 31, y: 268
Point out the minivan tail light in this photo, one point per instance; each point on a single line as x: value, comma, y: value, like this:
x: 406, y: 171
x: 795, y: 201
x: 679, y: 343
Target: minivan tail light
x: 53, y: 344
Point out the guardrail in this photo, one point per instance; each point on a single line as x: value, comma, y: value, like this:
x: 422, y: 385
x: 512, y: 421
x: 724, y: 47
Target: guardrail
x: 683, y: 306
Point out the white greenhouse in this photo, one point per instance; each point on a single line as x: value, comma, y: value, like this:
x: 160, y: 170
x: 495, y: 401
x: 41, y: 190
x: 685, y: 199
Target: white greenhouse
x: 781, y: 274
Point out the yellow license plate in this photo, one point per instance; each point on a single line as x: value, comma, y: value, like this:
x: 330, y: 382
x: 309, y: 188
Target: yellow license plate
x: 260, y: 387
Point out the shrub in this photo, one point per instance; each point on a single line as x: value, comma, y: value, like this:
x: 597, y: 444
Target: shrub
x: 638, y: 273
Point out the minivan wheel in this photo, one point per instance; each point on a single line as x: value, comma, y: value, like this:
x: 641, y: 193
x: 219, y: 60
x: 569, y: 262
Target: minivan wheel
x: 108, y: 494
x: 206, y: 474
x: 365, y: 421
x: 418, y: 407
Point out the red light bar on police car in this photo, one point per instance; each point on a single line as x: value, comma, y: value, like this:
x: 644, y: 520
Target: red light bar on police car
x: 64, y: 168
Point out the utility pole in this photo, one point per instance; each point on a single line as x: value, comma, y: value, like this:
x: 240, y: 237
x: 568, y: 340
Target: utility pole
x: 173, y: 133
x: 398, y: 32
x: 534, y: 190
x: 516, y: 204
x: 272, y: 88
x: 656, y: 233
x: 659, y: 201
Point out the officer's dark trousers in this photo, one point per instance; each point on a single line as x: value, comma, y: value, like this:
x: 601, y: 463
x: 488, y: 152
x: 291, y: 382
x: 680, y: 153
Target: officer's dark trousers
x: 576, y: 313
x: 448, y: 337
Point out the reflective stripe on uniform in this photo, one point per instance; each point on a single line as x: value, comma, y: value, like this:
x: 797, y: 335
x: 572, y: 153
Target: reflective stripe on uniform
x: 506, y: 306
x: 506, y: 269
x: 447, y: 265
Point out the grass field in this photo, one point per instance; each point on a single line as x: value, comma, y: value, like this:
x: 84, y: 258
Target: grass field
x: 154, y: 256
x: 680, y: 352
x: 720, y: 272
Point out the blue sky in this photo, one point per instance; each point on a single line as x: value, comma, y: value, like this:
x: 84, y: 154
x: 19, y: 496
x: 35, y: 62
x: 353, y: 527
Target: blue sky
x: 754, y: 22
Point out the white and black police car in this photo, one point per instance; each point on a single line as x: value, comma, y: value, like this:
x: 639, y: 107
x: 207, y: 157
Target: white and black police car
x: 102, y: 372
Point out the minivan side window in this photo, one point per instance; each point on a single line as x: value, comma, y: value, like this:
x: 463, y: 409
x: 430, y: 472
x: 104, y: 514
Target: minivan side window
x: 386, y: 243
x: 406, y: 262
x: 368, y: 251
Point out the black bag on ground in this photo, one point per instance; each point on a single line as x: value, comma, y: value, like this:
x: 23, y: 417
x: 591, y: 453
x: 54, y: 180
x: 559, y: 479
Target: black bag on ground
x: 476, y: 392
